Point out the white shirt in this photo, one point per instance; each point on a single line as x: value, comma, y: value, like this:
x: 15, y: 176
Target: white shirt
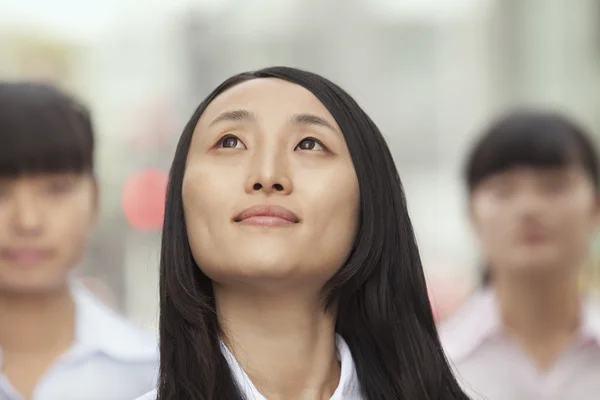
x: 348, y: 388
x: 110, y: 359
x: 491, y: 366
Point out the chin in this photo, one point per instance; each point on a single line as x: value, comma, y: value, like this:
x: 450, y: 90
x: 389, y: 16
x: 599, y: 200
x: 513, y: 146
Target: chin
x: 253, y: 270
x: 31, y: 286
x: 267, y: 264
x: 536, y: 267
x: 272, y: 274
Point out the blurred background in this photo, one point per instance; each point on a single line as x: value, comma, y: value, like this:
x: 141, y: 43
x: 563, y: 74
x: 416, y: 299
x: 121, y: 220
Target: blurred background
x: 430, y: 73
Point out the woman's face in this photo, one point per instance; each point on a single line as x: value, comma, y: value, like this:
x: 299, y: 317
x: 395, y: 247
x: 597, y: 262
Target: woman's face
x: 536, y: 220
x: 270, y: 193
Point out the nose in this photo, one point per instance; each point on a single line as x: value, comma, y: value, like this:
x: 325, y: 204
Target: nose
x: 27, y: 219
x: 269, y: 173
x: 530, y: 206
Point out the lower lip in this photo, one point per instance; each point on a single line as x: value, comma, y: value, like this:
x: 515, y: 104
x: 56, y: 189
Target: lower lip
x: 534, y: 239
x: 26, y: 257
x: 268, y: 221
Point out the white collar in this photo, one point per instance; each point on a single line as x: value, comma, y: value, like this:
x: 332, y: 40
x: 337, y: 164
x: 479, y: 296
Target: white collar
x: 348, y: 388
x: 99, y: 329
x: 479, y: 320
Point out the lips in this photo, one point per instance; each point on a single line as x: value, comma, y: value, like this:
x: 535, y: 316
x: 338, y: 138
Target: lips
x: 533, y: 237
x: 267, y: 215
x: 24, y: 256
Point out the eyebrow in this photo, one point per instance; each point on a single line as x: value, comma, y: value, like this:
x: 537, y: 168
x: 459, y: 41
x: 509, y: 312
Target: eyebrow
x: 234, y: 116
x: 310, y: 119
x: 296, y: 119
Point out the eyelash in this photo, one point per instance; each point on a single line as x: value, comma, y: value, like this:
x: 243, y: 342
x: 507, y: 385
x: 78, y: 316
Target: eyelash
x: 317, y: 142
x: 226, y: 137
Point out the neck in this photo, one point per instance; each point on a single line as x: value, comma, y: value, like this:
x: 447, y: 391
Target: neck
x: 264, y: 330
x: 543, y: 314
x: 36, y: 323
x: 539, y: 306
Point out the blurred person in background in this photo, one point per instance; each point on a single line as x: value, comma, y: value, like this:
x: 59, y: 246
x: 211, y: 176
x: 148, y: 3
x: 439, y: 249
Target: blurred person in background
x: 530, y: 333
x: 289, y: 268
x: 57, y: 341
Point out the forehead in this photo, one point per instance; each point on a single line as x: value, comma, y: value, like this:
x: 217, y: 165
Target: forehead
x: 526, y: 178
x: 35, y: 178
x: 268, y: 98
x: 534, y: 172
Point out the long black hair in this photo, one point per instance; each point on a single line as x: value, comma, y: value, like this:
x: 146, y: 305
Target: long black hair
x: 43, y: 130
x: 383, y: 310
x: 529, y: 138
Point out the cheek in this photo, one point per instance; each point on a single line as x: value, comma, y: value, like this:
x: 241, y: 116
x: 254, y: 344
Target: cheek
x: 208, y: 198
x: 206, y: 195
x: 74, y: 219
x: 491, y: 223
x: 68, y: 230
x: 495, y: 230
x: 76, y: 211
x: 331, y: 194
x: 575, y: 219
x: 334, y: 215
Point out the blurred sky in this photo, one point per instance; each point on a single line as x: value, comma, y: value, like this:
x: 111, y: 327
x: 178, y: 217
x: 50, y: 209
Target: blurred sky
x: 87, y: 20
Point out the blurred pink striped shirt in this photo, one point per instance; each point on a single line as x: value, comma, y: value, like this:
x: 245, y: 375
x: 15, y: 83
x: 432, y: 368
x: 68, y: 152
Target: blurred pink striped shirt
x: 492, y: 366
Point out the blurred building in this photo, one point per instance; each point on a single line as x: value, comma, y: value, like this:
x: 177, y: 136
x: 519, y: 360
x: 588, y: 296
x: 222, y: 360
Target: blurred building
x: 430, y: 73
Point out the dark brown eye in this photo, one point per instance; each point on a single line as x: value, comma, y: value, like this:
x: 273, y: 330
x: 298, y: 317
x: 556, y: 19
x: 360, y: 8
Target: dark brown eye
x: 60, y: 186
x: 309, y: 144
x: 231, y: 142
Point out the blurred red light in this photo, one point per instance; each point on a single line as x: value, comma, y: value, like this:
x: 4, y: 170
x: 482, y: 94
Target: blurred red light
x: 144, y: 199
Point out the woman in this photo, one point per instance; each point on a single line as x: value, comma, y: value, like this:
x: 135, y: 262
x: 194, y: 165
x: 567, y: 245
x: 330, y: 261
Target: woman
x: 529, y: 333
x: 289, y: 267
x: 57, y: 341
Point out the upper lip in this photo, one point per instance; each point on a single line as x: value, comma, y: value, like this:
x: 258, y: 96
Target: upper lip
x: 11, y: 252
x: 535, y: 232
x: 267, y: 210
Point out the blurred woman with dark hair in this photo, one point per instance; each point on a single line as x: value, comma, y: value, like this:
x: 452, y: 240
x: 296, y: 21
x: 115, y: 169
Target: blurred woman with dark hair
x: 529, y: 333
x: 57, y: 341
x: 289, y: 267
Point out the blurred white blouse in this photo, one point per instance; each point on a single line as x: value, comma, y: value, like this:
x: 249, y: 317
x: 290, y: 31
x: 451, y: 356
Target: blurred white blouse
x: 348, y: 388
x: 110, y: 360
x: 490, y: 365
